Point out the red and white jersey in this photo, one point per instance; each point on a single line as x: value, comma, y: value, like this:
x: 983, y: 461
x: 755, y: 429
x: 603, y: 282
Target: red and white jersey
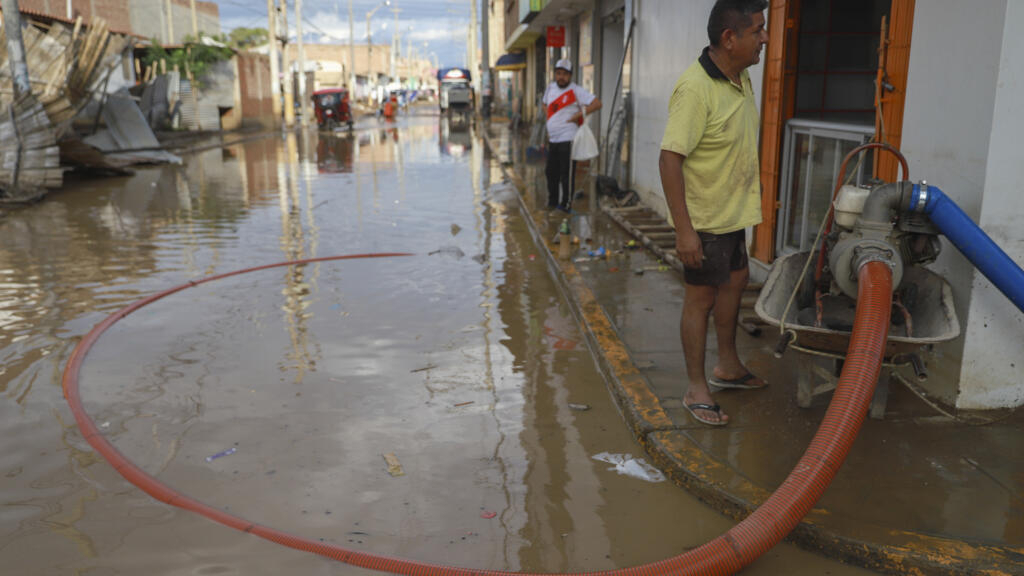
x: 563, y: 104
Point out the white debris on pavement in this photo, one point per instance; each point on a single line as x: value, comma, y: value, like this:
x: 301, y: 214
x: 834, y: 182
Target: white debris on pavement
x: 626, y: 465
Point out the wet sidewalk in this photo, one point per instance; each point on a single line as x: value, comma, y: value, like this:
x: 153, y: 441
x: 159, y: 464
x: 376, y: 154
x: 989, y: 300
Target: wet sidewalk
x: 922, y: 491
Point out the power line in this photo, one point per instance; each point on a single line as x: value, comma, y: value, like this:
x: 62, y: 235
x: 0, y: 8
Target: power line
x: 437, y: 10
x: 249, y: 24
x: 245, y: 6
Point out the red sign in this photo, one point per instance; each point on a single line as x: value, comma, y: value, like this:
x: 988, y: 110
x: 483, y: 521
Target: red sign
x: 556, y: 36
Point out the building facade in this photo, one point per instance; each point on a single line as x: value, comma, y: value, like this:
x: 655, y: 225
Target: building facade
x: 948, y: 106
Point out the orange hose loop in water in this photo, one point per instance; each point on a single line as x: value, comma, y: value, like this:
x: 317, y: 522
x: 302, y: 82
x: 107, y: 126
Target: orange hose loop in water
x: 728, y: 553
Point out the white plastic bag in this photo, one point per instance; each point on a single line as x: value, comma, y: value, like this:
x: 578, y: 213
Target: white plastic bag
x: 626, y: 465
x: 584, y: 145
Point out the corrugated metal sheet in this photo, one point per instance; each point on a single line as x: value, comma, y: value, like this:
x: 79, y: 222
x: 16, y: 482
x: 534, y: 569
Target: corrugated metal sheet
x: 206, y: 117
x: 209, y: 116
x: 187, y: 109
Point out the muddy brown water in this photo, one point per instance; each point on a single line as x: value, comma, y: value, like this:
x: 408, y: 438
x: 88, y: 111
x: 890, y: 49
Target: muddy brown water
x: 462, y: 363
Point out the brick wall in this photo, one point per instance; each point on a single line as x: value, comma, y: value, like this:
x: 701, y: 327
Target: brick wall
x: 254, y: 85
x: 115, y: 12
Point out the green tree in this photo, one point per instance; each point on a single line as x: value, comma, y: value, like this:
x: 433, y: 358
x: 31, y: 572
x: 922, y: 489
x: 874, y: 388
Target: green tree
x: 243, y: 38
x: 195, y: 57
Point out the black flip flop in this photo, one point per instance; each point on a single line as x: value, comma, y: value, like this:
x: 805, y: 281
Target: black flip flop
x: 709, y: 407
x: 736, y: 383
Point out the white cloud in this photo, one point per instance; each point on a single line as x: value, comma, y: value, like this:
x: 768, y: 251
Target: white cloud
x: 446, y: 35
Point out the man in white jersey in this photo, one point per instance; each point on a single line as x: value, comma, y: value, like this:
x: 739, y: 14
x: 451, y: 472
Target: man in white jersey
x: 565, y: 101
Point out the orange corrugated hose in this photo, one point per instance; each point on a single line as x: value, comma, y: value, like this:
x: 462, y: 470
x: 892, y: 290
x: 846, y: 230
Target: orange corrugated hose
x: 726, y: 554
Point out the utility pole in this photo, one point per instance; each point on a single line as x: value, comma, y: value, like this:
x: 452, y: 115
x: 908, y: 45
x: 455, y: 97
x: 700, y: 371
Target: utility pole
x: 485, y: 71
x: 395, y: 46
x: 371, y: 77
x: 289, y: 76
x: 471, y: 62
x: 15, y: 49
x: 371, y: 73
x: 195, y: 20
x: 351, y: 55
x: 303, y: 97
x: 275, y: 64
x: 170, y: 22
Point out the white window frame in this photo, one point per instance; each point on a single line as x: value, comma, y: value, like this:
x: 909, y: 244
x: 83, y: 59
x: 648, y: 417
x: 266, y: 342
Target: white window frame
x: 814, y: 129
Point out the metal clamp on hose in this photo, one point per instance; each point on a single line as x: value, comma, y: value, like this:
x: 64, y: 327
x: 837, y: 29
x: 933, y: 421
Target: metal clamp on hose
x: 864, y: 254
x: 920, y: 197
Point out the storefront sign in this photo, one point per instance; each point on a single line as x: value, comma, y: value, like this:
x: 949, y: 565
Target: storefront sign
x: 556, y: 36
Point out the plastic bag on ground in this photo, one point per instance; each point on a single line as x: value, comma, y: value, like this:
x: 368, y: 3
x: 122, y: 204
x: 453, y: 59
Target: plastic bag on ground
x: 628, y: 466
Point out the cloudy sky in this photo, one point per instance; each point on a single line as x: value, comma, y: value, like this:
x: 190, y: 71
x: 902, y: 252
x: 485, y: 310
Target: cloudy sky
x: 441, y: 24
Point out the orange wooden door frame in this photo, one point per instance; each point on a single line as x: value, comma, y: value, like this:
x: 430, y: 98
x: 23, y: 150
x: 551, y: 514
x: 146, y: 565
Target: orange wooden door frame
x: 779, y: 91
x: 897, y: 64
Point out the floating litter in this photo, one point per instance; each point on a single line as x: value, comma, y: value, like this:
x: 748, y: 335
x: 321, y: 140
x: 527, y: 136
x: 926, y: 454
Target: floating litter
x: 227, y: 452
x: 628, y: 466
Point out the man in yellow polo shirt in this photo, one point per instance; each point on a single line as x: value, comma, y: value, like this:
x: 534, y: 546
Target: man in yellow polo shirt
x: 710, y: 176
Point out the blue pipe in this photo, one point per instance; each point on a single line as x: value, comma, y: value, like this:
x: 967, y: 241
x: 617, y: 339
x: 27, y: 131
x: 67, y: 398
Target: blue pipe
x: 986, y: 256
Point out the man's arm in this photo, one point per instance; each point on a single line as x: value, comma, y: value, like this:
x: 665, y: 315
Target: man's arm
x: 688, y: 246
x: 594, y: 106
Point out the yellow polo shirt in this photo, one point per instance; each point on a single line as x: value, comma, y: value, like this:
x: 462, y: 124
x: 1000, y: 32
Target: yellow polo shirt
x: 714, y: 123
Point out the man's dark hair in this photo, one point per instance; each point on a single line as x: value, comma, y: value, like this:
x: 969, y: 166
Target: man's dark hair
x: 732, y: 15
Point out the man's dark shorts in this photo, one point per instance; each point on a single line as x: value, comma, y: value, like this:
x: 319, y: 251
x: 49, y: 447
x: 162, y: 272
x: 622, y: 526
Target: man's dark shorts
x: 723, y: 253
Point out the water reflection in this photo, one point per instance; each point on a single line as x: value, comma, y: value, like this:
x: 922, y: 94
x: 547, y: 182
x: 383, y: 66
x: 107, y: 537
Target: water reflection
x: 455, y: 137
x: 297, y: 290
x: 335, y: 154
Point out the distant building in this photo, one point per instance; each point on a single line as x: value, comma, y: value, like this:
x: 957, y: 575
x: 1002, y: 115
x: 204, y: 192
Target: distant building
x: 330, y: 63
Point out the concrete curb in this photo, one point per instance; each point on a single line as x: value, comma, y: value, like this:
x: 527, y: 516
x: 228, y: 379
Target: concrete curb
x: 715, y: 482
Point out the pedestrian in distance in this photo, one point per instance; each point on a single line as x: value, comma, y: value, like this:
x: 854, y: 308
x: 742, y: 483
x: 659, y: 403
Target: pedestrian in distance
x: 566, y: 102
x: 710, y: 176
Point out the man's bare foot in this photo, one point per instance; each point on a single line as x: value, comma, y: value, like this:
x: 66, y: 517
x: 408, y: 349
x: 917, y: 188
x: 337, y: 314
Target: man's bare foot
x: 695, y: 401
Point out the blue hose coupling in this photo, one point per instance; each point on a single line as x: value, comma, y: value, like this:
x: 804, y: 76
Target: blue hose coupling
x: 919, y: 198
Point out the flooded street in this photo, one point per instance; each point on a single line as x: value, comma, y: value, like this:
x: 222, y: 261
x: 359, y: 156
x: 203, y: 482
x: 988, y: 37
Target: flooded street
x: 275, y: 395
